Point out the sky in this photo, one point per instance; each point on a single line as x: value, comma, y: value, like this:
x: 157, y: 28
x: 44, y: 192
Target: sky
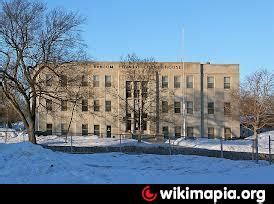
x: 219, y: 31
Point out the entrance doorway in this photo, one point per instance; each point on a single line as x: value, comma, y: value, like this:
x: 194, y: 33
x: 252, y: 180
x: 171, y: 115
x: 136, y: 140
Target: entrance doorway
x: 108, y: 131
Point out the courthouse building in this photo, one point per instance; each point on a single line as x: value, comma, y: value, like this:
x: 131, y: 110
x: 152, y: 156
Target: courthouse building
x: 190, y: 99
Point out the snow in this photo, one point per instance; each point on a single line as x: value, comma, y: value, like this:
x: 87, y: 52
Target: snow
x: 27, y: 163
x: 84, y: 141
x: 241, y: 145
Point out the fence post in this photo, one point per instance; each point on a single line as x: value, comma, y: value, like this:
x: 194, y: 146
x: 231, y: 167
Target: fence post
x: 169, y: 144
x: 6, y: 136
x: 120, y: 135
x: 269, y: 149
x: 252, y: 148
x: 222, y: 153
x: 71, y: 143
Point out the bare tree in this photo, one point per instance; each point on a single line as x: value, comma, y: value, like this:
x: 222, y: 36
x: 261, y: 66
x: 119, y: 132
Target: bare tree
x: 33, y: 40
x: 254, y: 99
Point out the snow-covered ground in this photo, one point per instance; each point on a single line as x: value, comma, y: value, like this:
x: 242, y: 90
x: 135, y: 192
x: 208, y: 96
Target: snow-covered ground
x: 27, y: 163
x: 84, y: 141
x: 243, y: 145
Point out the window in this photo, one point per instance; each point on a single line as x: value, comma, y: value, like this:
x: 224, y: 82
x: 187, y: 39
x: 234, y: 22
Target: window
x: 177, y: 131
x: 128, y: 89
x: 189, y: 82
x: 227, y: 133
x: 84, y: 105
x: 63, y: 80
x: 164, y: 81
x: 49, y: 105
x: 210, y: 82
x: 64, y: 105
x: 177, y: 81
x: 63, y: 129
x: 84, y: 80
x: 177, y: 107
x: 144, y: 121
x: 226, y: 82
x: 210, y: 108
x: 49, y: 129
x: 190, y: 132
x: 210, y: 132
x: 111, y: 66
x: 227, y: 108
x: 189, y: 107
x: 165, y: 131
x: 136, y: 89
x: 108, y: 106
x: 107, y: 81
x: 96, y: 105
x: 84, y: 129
x: 164, y: 107
x: 48, y: 80
x: 95, y: 81
x: 144, y: 89
x: 97, y: 130
x: 128, y: 128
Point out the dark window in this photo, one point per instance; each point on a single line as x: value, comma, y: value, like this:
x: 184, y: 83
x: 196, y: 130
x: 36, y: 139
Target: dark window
x: 108, y: 106
x: 84, y: 129
x: 210, y: 108
x: 107, y: 81
x: 189, y: 82
x: 63, y: 80
x: 164, y: 106
x: 227, y: 108
x: 164, y: 81
x: 49, y: 129
x: 210, y: 82
x: 177, y: 107
x: 226, y: 82
x: 84, y: 80
x: 189, y: 107
x: 144, y: 121
x: 144, y: 89
x: 227, y: 132
x: 49, y: 105
x: 63, y: 129
x: 177, y: 131
x: 177, y: 82
x: 210, y: 132
x: 128, y: 122
x: 190, y: 132
x: 165, y: 131
x: 95, y: 81
x: 110, y: 66
x: 84, y: 105
x: 128, y: 89
x: 48, y: 80
x: 96, y: 106
x: 136, y: 89
x: 64, y: 105
x: 97, y: 130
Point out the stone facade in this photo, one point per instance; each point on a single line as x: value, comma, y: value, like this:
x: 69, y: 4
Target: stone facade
x: 201, y: 92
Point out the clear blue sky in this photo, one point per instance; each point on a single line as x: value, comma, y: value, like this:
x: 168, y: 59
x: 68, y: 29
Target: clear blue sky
x: 220, y: 31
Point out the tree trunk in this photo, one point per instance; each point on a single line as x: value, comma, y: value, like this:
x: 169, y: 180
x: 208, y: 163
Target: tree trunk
x: 31, y: 133
x: 256, y: 145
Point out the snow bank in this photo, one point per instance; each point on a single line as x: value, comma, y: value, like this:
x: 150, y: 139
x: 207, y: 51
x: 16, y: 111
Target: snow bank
x: 27, y: 163
x: 240, y: 145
